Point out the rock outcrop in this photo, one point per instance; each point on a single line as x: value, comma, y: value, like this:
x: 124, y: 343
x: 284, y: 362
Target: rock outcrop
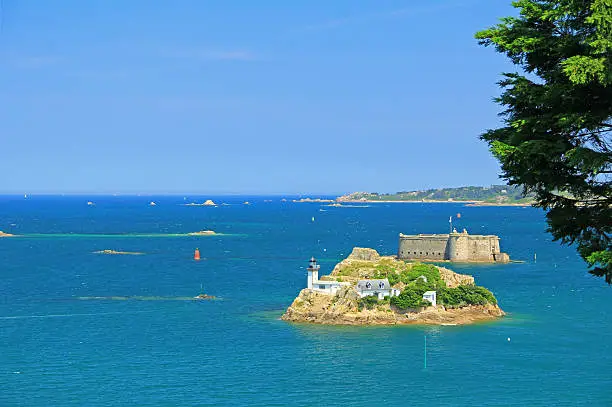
x: 363, y: 253
x: 203, y: 233
x: 3, y: 234
x: 453, y: 279
x: 204, y: 297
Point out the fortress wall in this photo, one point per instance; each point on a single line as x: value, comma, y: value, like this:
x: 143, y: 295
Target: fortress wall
x: 432, y: 247
x: 496, y: 248
x: 481, y: 248
x: 458, y: 247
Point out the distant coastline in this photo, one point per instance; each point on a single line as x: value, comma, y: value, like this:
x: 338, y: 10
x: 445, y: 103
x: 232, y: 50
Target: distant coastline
x: 495, y: 195
x: 482, y: 203
x: 468, y: 203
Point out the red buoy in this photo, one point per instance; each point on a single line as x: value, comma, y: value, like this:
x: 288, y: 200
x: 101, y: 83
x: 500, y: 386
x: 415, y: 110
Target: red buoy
x: 196, y: 254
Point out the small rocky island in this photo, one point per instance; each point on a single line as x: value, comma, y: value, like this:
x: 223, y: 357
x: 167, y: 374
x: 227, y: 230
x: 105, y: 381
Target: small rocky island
x: 109, y: 251
x: 3, y: 234
x: 369, y: 289
x: 202, y: 233
x: 208, y: 202
x: 205, y: 297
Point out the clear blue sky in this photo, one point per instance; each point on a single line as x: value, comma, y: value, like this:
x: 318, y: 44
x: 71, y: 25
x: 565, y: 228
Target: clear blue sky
x: 245, y: 96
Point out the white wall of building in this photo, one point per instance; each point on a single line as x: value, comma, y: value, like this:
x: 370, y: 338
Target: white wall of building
x: 431, y: 297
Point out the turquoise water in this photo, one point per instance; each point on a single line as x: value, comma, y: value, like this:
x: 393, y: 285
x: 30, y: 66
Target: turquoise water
x: 65, y: 342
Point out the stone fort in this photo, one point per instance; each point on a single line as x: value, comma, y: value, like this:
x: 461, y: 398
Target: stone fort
x: 455, y: 246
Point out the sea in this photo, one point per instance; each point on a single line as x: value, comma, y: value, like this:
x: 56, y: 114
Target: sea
x: 79, y: 328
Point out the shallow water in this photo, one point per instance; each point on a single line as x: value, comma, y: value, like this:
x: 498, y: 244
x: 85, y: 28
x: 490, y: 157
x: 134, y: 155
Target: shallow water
x: 78, y: 328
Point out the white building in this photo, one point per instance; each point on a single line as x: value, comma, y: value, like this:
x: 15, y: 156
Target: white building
x: 313, y: 282
x: 430, y: 296
x: 378, y: 288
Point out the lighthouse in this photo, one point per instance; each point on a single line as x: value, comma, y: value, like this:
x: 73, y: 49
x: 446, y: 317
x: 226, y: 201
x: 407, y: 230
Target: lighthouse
x: 313, y: 272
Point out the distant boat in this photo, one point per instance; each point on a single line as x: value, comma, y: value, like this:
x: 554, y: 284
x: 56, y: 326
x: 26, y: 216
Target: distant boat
x: 90, y: 203
x: 25, y: 196
x: 152, y: 203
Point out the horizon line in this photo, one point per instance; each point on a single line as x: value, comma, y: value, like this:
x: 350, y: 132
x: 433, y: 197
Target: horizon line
x: 84, y: 193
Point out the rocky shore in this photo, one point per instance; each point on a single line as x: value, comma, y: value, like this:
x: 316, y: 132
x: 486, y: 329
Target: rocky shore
x: 346, y: 306
x: 3, y: 234
x: 342, y: 309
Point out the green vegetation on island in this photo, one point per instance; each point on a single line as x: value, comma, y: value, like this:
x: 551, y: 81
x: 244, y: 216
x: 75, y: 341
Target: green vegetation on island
x: 495, y: 194
x: 417, y: 278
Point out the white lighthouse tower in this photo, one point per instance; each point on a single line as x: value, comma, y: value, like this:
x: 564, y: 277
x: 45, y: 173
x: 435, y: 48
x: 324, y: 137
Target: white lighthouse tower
x: 313, y: 273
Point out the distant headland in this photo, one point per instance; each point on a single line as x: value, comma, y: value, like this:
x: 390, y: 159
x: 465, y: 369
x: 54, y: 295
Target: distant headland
x: 495, y: 195
x: 369, y: 289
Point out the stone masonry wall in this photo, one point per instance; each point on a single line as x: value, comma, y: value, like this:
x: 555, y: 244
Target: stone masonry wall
x: 455, y: 247
x: 432, y: 247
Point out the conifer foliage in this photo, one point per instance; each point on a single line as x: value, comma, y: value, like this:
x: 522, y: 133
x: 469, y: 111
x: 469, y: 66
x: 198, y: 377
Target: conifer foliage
x: 556, y: 139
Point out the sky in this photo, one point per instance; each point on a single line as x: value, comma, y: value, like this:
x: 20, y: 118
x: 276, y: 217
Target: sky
x: 246, y: 97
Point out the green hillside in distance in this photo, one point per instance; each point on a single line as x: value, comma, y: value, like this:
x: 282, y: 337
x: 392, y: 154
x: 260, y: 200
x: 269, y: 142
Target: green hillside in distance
x: 495, y: 194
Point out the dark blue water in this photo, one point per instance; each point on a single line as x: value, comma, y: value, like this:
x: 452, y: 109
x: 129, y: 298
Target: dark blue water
x: 163, y: 350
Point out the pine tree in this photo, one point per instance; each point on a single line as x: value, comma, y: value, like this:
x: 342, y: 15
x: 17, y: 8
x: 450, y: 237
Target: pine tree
x: 556, y: 140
